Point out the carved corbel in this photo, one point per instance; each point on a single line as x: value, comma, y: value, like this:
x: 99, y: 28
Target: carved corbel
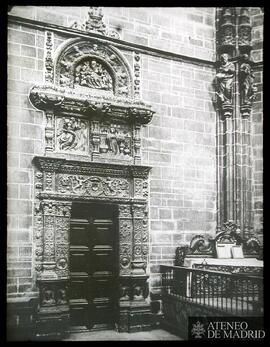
x: 246, y: 84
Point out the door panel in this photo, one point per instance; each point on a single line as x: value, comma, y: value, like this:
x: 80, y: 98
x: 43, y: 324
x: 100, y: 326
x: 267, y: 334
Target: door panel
x: 93, y: 266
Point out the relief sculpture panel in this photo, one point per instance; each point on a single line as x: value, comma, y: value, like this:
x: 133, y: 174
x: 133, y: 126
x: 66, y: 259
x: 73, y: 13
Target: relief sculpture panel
x: 115, y: 140
x: 71, y: 134
x: 92, y: 74
x: 95, y: 186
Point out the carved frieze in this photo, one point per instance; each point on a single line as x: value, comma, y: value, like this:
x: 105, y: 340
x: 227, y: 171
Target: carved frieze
x: 224, y: 84
x: 92, y: 186
x: 71, y: 134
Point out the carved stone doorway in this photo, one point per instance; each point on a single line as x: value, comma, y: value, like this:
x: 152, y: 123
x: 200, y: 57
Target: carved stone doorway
x: 94, y: 270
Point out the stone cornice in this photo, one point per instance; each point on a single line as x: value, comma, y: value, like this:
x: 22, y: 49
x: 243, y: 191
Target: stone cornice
x: 50, y: 97
x: 73, y: 197
x: 91, y: 168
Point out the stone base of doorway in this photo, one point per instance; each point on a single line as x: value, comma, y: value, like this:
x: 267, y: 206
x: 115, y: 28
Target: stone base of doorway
x: 83, y: 334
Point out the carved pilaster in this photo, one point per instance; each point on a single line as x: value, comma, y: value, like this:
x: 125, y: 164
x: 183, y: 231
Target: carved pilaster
x: 39, y: 238
x: 137, y: 143
x: 125, y: 239
x: 138, y: 264
x: 49, y: 132
x: 49, y: 38
x: 137, y: 75
x: 53, y: 312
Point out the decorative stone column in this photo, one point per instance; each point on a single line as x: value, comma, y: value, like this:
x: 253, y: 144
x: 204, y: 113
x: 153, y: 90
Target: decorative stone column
x: 53, y: 312
x: 235, y: 94
x: 134, y: 309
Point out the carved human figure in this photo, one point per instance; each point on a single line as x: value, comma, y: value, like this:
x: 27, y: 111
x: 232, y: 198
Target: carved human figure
x: 91, y: 74
x: 247, y: 89
x: 224, y: 79
x: 67, y: 135
x: 81, y: 136
x: 62, y: 298
x: 138, y: 293
x: 72, y: 134
x: 48, y: 298
x: 112, y: 140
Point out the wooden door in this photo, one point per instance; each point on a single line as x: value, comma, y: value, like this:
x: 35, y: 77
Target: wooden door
x: 93, y: 266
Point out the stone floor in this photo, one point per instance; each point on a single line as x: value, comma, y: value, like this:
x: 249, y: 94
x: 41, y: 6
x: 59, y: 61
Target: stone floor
x: 112, y: 335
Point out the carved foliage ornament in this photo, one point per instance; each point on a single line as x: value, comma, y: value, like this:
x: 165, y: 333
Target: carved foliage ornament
x: 93, y: 185
x: 94, y: 23
x: 205, y: 246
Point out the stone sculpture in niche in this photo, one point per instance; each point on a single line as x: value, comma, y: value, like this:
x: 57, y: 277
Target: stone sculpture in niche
x: 224, y: 81
x: 71, y: 134
x: 92, y: 74
x: 247, y: 89
x: 225, y: 78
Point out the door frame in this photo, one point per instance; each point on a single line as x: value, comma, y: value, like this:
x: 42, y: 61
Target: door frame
x: 52, y: 232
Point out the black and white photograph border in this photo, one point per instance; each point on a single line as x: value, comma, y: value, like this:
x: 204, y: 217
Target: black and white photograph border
x: 135, y: 173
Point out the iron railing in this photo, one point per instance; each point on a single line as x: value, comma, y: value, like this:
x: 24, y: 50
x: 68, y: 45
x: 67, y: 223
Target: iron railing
x: 232, y: 293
